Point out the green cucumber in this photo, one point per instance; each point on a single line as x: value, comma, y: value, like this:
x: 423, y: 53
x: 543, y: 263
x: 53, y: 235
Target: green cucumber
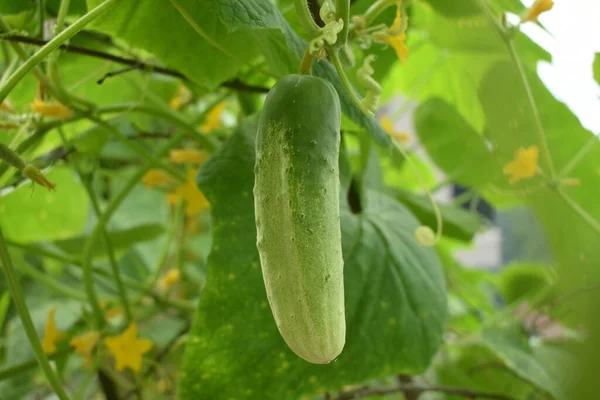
x: 296, y: 201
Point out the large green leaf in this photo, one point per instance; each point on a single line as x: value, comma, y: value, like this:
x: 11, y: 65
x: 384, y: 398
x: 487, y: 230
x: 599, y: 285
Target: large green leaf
x: 453, y: 143
x: 519, y: 281
x: 241, y: 32
x: 395, y: 297
x: 42, y: 215
x: 511, y: 125
x: 467, y: 8
x: 144, y: 25
x: 533, y: 364
x: 457, y: 222
x: 449, y: 57
x: 478, y: 368
x: 120, y: 240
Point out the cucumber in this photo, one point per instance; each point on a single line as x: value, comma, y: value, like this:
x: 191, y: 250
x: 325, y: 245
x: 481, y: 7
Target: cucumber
x: 296, y: 201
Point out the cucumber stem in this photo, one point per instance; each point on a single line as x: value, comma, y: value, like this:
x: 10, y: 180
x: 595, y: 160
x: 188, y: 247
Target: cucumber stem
x: 307, y: 62
x: 343, y: 12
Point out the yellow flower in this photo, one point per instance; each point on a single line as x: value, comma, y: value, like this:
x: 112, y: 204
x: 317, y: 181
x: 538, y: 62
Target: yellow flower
x: 170, y: 278
x: 213, y: 118
x: 395, y: 35
x: 388, y: 126
x: 536, y: 9
x: 51, y: 334
x: 156, y: 177
x: 186, y: 156
x: 183, y: 96
x: 85, y: 344
x: 128, y: 348
x: 194, y: 198
x: 524, y: 165
x: 50, y: 109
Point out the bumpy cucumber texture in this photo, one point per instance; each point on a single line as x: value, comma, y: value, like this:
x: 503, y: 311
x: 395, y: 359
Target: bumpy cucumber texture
x: 296, y: 199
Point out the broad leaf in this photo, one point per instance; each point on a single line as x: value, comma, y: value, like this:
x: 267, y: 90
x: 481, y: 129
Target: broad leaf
x: 511, y: 125
x: 120, y: 240
x: 457, y: 222
x: 453, y: 144
x: 523, y: 359
x: 449, y: 57
x: 239, y: 34
x: 27, y: 216
x: 395, y: 298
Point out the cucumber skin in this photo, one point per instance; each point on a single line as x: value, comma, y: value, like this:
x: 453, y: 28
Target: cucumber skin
x: 296, y: 200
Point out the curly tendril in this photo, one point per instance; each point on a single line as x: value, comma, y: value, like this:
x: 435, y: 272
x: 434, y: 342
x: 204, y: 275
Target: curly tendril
x: 328, y: 34
x: 364, y: 76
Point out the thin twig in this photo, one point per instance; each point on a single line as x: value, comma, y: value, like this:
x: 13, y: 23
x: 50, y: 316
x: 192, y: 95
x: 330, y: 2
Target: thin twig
x: 468, y: 393
x: 234, y: 84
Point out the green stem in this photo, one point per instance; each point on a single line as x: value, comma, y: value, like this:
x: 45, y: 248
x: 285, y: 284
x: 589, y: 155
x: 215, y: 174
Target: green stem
x: 508, y: 41
x: 52, y: 45
x: 166, y: 247
x: 42, y: 5
x: 23, y: 312
x: 534, y: 111
x: 307, y: 62
x: 63, y: 10
x: 18, y: 369
x: 22, y: 54
x: 593, y: 140
x: 130, y: 283
x: 139, y: 150
x: 589, y: 219
x: 343, y: 12
x: 4, y: 306
x: 209, y: 142
x: 53, y: 284
x: 305, y: 18
x: 377, y: 8
x: 114, y: 204
x: 109, y: 248
x: 335, y: 59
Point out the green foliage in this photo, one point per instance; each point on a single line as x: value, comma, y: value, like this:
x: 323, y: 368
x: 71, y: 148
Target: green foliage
x: 526, y: 360
x: 27, y: 218
x: 394, y: 297
x: 597, y: 67
x: 128, y: 240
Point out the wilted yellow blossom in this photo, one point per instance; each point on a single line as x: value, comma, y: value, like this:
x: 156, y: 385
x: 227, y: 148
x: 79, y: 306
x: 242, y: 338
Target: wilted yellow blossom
x: 395, y: 36
x: 31, y: 172
x: 51, y: 334
x: 388, y: 126
x: 85, y: 344
x: 213, y: 118
x: 187, y: 156
x: 536, y: 9
x: 182, y: 96
x: 156, y: 177
x: 170, y: 278
x: 50, y: 109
